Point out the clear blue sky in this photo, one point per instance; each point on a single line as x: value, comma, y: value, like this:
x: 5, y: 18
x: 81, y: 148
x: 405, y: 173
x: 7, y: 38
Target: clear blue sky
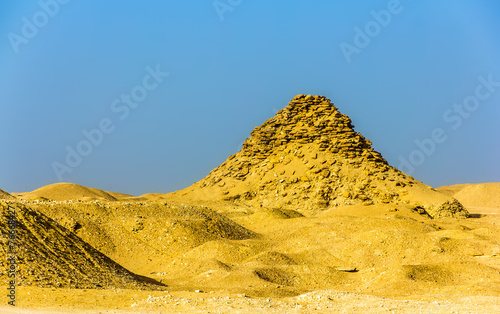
x: 229, y: 71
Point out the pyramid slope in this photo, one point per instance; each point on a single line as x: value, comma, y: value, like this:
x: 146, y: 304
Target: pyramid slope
x: 49, y: 255
x: 6, y: 196
x: 68, y: 191
x: 309, y: 157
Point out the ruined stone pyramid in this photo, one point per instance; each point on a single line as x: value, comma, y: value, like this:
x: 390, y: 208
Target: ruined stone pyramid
x: 309, y: 157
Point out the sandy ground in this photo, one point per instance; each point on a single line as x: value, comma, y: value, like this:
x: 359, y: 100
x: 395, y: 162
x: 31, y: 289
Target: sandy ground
x: 179, y: 300
x: 324, y: 301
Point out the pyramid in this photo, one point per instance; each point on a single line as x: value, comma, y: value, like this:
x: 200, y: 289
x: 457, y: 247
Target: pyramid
x: 43, y: 253
x: 309, y: 157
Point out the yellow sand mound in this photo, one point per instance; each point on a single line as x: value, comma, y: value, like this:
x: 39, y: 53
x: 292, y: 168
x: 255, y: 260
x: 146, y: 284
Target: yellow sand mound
x: 451, y: 189
x: 71, y: 191
x: 225, y: 251
x: 132, y: 233
x: 480, y: 195
x: 153, y: 196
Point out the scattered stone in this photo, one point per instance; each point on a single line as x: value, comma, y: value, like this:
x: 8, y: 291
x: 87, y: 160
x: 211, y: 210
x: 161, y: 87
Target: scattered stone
x: 347, y: 269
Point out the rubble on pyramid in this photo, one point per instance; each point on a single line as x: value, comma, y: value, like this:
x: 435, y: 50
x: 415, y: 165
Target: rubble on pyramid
x: 310, y: 119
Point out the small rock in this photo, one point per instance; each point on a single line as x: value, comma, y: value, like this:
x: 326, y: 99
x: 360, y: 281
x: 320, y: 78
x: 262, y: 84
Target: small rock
x: 347, y: 269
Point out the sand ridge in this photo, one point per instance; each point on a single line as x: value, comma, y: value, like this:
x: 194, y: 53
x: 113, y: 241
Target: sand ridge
x: 70, y: 191
x: 134, y: 232
x: 477, y: 195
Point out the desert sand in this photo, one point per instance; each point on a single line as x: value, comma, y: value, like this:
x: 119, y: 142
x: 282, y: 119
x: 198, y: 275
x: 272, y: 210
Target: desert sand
x: 306, y: 218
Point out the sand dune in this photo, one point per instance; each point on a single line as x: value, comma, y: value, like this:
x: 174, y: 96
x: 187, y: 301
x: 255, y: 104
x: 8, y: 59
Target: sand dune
x: 480, y: 195
x: 71, y: 191
x: 120, y: 196
x: 451, y: 189
x: 153, y: 196
x: 131, y: 232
